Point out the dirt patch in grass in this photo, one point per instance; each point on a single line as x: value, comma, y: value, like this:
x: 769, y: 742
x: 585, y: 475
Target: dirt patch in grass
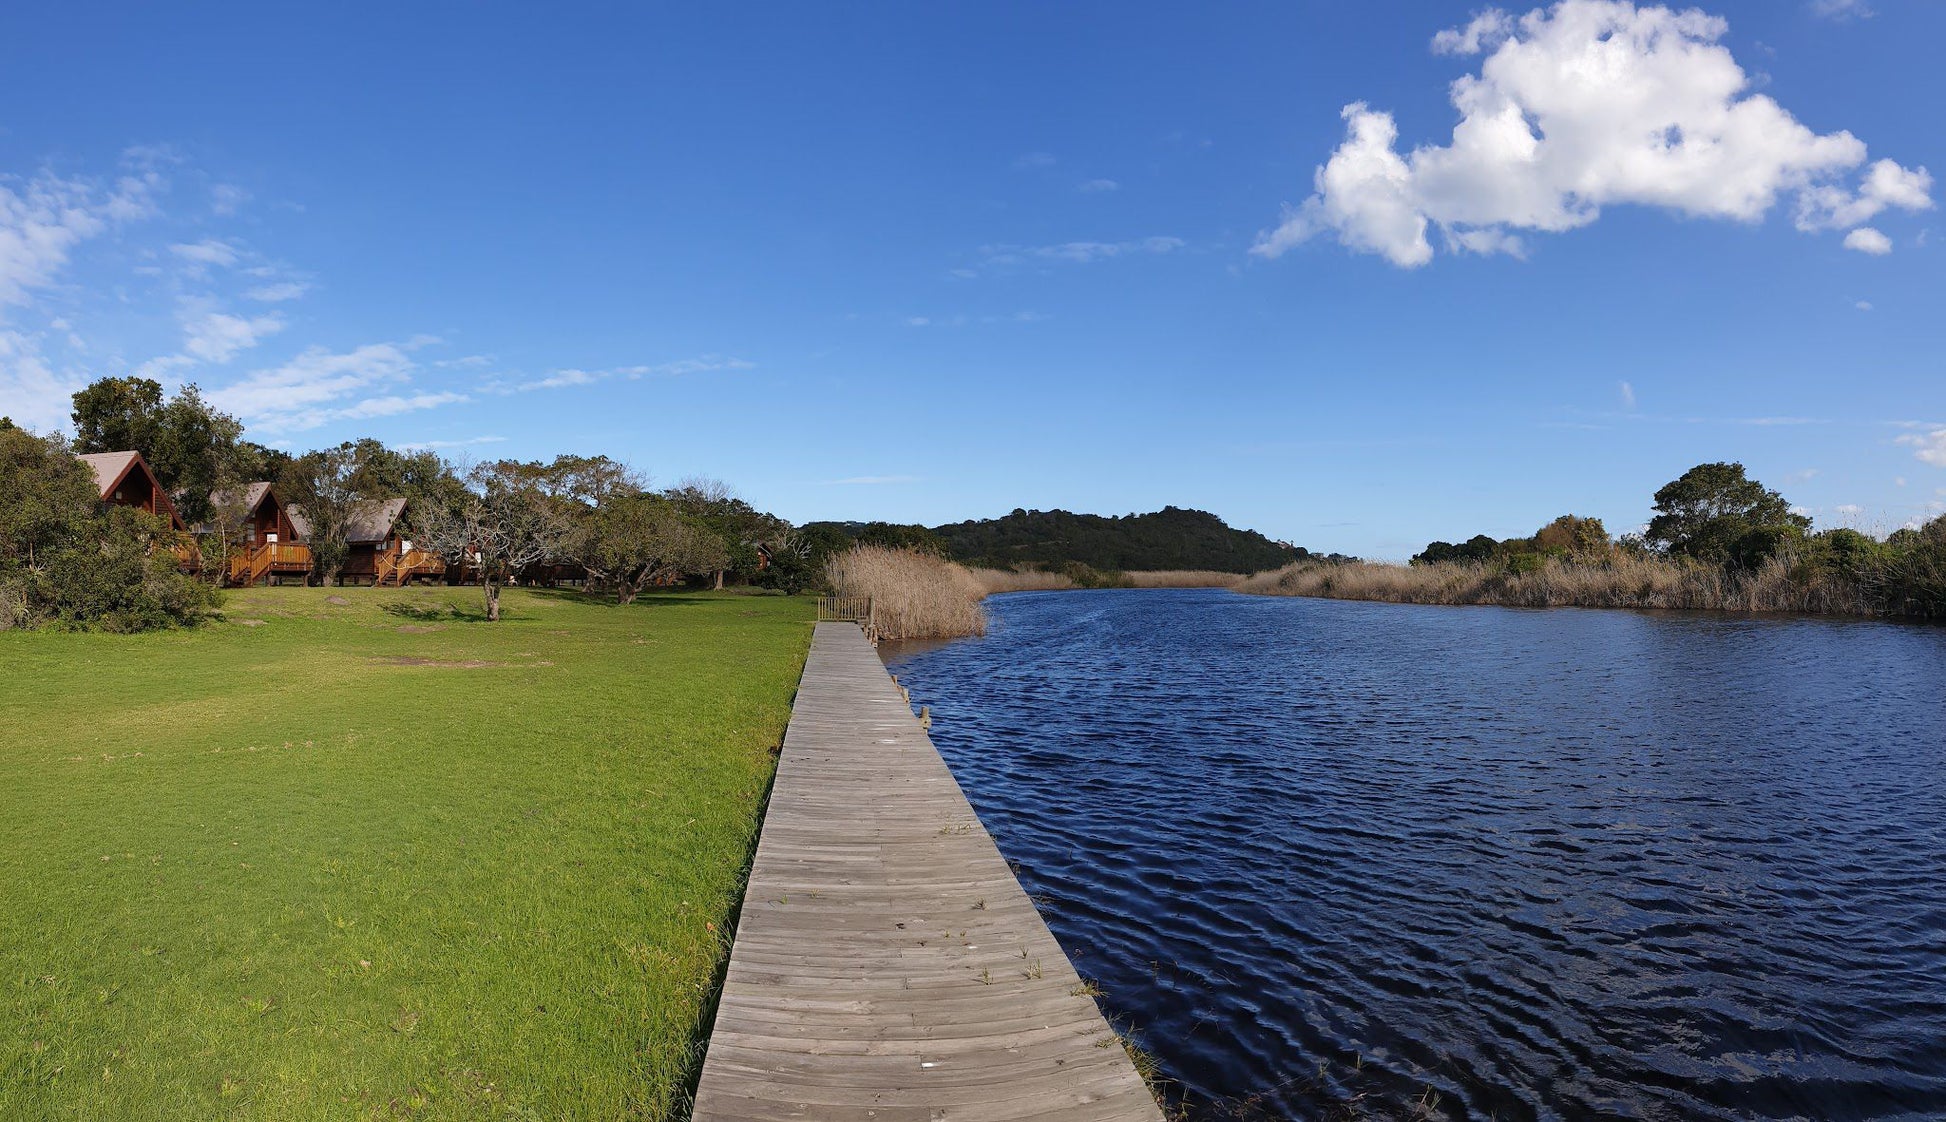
x: 415, y: 629
x: 339, y: 600
x: 448, y: 664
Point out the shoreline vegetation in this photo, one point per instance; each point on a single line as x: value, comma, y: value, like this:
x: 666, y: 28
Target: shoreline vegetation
x: 917, y: 594
x: 1720, y: 541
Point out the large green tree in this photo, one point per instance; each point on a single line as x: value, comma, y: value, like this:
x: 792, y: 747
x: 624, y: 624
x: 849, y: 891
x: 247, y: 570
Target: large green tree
x: 1715, y: 512
x: 117, y: 414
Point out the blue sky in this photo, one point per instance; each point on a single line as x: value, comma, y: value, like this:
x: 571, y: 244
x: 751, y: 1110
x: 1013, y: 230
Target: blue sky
x: 926, y: 263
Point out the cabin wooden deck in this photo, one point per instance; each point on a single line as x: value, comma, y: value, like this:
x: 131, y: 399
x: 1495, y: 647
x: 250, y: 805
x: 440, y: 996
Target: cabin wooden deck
x: 887, y: 966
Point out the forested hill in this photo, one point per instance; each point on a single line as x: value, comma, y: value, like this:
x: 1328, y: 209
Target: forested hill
x: 1170, y: 538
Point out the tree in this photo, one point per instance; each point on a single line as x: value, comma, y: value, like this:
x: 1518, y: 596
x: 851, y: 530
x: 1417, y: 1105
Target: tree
x: 46, y: 497
x: 321, y: 486
x: 65, y: 557
x: 586, y: 489
x: 641, y: 539
x: 417, y: 477
x: 1716, y: 513
x: 741, y: 527
x: 118, y: 414
x: 1578, y: 539
x: 506, y: 522
x: 195, y: 452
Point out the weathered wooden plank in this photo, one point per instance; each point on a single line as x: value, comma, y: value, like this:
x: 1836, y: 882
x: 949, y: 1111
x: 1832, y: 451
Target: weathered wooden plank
x: 887, y: 965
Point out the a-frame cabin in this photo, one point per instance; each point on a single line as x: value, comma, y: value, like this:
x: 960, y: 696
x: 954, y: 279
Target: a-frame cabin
x: 124, y: 479
x: 273, y: 546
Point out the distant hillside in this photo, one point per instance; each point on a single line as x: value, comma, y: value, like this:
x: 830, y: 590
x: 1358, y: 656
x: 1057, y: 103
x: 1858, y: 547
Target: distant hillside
x: 1170, y: 538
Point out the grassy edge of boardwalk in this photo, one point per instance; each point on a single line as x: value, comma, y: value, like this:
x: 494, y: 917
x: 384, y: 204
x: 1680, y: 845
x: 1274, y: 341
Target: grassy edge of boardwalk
x: 374, y: 859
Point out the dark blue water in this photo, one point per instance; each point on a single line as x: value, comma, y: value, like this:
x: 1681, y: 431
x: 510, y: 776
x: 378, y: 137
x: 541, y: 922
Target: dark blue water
x: 1345, y: 860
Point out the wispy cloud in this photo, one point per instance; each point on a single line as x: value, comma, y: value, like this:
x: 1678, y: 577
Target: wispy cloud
x: 1930, y: 447
x: 43, y: 218
x: 226, y: 199
x: 1841, y: 9
x: 278, y: 292
x: 994, y: 257
x: 218, y: 337
x: 209, y: 251
x: 320, y: 386
x: 1628, y: 397
x: 565, y: 378
x: 441, y: 445
x: 1027, y: 160
x: 1095, y: 186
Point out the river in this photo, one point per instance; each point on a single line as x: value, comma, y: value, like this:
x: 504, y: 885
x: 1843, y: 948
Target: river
x: 1329, y: 859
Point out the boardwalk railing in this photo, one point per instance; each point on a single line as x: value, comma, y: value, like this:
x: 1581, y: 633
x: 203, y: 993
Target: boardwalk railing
x: 844, y: 609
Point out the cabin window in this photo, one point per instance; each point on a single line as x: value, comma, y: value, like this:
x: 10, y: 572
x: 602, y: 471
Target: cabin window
x: 270, y: 538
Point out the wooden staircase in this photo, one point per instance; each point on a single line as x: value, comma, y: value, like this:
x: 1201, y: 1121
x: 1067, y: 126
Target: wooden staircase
x: 398, y: 568
x: 248, y: 566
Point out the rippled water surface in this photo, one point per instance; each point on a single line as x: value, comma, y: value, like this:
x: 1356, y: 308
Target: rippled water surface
x: 1344, y: 860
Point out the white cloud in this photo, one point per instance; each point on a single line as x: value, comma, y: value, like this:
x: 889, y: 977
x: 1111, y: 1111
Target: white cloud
x: 218, y: 336
x: 1002, y: 256
x: 307, y: 391
x: 706, y: 364
x: 278, y: 292
x: 44, y: 218
x: 1488, y: 30
x: 1842, y: 9
x: 1863, y: 305
x: 31, y: 392
x: 1886, y: 185
x: 209, y: 251
x: 1589, y: 104
x: 562, y: 378
x: 1931, y: 446
x: 1848, y: 509
x: 436, y: 445
x: 1628, y: 397
x: 1093, y: 186
x: 1867, y: 240
x: 1034, y: 160
x: 227, y: 198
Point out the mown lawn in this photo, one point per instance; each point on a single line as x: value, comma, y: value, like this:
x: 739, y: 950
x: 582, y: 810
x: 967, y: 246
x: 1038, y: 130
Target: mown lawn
x: 378, y: 859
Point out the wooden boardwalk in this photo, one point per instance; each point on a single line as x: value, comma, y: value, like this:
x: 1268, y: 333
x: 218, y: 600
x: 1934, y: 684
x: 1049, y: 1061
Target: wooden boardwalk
x: 888, y: 966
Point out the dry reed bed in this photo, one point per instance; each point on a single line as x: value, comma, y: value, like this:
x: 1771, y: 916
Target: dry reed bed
x: 1032, y: 580
x: 1622, y: 582
x: 914, y: 595
x: 1036, y: 580
x: 1183, y: 578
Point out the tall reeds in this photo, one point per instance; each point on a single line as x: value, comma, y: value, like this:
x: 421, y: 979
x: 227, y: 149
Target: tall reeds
x: 915, y: 595
x: 1044, y: 580
x: 1781, y: 584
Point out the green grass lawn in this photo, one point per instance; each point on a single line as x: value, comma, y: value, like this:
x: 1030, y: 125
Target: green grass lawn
x: 378, y: 859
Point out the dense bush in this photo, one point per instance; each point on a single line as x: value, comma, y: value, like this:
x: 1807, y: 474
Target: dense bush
x: 66, y: 561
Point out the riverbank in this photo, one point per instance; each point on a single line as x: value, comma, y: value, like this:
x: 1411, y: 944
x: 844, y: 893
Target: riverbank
x: 920, y: 595
x: 1781, y: 584
x: 354, y: 853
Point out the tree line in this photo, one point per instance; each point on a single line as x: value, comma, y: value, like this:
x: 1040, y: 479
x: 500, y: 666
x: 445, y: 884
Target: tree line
x: 66, y: 559
x: 1714, y: 515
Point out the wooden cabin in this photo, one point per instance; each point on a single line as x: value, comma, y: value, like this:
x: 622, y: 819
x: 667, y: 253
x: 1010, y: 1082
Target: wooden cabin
x: 124, y: 479
x: 273, y: 546
x: 381, y: 550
